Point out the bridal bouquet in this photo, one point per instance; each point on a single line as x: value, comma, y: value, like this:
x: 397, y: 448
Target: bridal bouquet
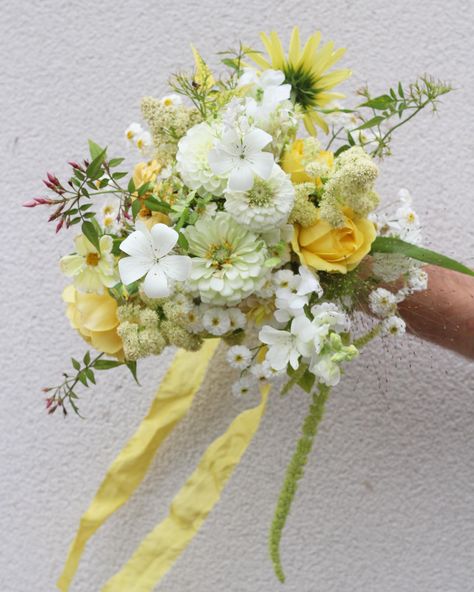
x: 251, y: 218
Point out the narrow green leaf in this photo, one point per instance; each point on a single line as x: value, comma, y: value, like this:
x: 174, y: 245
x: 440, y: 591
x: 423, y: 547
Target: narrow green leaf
x: 87, y: 358
x: 95, y: 166
x: 145, y: 188
x: 82, y: 377
x: 76, y: 365
x: 131, y: 186
x: 132, y: 366
x: 386, y: 244
x: 119, y: 175
x: 90, y: 232
x: 183, y: 242
x: 306, y: 382
x: 156, y: 205
x: 113, y: 162
x: 94, y: 149
x: 106, y: 364
x: 371, y: 122
x: 136, y: 207
x: 379, y: 103
x: 400, y: 90
x: 90, y: 375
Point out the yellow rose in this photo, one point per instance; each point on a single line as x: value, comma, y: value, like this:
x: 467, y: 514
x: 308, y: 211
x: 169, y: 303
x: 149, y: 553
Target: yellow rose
x: 144, y: 172
x: 94, y: 316
x: 340, y: 249
x: 294, y: 162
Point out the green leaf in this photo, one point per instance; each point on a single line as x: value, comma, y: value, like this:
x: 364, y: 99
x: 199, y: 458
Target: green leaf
x: 230, y: 63
x: 136, y: 207
x: 87, y: 358
x: 82, y: 377
x: 90, y: 232
x: 342, y: 149
x: 132, y: 366
x: 371, y: 123
x: 94, y: 149
x: 400, y: 90
x: 386, y: 244
x: 90, y: 375
x: 131, y: 186
x: 119, y: 175
x: 76, y: 365
x: 155, y: 205
x: 94, y: 168
x: 379, y: 103
x: 145, y: 188
x: 107, y: 364
x: 306, y: 382
x: 115, y: 162
x: 183, y: 242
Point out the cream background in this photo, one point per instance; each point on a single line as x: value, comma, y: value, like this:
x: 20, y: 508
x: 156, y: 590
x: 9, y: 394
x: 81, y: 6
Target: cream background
x: 387, y: 502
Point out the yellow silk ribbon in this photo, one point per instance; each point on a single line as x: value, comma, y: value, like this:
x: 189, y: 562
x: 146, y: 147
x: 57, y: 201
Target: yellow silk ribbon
x: 172, y: 401
x: 161, y: 548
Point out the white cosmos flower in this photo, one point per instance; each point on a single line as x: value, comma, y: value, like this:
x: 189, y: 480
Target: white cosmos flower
x: 239, y: 157
x: 148, y: 252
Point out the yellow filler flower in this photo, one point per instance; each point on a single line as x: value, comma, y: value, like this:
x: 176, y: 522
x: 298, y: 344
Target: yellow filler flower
x: 307, y: 71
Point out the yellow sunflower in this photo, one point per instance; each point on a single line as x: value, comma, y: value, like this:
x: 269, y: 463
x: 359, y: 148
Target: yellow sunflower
x: 307, y: 71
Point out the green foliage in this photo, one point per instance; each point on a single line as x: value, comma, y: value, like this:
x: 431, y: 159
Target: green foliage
x: 385, y: 113
x: 294, y: 473
x: 84, y: 373
x: 388, y: 244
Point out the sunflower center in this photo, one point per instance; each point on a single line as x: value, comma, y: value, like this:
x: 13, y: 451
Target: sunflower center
x: 261, y: 194
x: 303, y: 85
x: 92, y: 259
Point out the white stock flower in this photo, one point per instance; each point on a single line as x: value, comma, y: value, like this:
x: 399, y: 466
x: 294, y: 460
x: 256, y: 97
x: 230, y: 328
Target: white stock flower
x: 266, y: 204
x: 216, y: 321
x: 239, y: 357
x: 394, y: 325
x: 327, y: 371
x: 193, y: 160
x: 286, y: 347
x: 382, y: 302
x: 328, y: 313
x: 293, y: 292
x: 148, y: 252
x: 268, y: 88
x: 238, y: 156
x: 228, y: 262
x: 91, y: 269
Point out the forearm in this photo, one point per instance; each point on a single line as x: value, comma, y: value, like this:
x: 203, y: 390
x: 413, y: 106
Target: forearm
x: 444, y: 313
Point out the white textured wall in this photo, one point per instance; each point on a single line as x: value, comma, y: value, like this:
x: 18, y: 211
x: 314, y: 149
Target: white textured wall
x: 387, y: 502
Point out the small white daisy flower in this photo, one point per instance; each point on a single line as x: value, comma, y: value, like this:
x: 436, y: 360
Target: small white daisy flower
x: 260, y: 372
x: 242, y: 387
x: 393, y: 326
x: 133, y: 131
x: 173, y: 100
x: 216, y: 321
x: 237, y: 319
x: 193, y: 320
x: 239, y: 357
x: 382, y: 302
x: 144, y: 141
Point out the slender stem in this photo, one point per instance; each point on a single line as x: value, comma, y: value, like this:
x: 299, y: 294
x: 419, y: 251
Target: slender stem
x: 294, y: 473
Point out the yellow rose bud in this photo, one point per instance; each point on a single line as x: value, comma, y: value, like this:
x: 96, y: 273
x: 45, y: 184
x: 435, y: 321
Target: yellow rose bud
x: 340, y: 249
x: 94, y: 316
x: 296, y: 159
x: 146, y: 172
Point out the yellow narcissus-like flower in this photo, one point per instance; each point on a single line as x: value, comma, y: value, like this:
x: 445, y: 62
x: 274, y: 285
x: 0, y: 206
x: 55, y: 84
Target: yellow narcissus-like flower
x: 146, y: 172
x: 326, y: 248
x: 307, y: 71
x: 94, y: 316
x: 296, y: 160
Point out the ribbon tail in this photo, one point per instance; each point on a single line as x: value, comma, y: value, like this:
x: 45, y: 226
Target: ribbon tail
x: 171, y: 402
x: 161, y: 548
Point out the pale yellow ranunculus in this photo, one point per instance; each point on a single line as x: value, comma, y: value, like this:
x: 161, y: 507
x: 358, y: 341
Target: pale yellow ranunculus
x: 340, y: 249
x: 94, y: 316
x: 144, y: 172
x: 294, y: 162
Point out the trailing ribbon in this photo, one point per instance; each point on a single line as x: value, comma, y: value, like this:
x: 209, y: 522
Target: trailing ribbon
x: 171, y: 402
x: 161, y: 548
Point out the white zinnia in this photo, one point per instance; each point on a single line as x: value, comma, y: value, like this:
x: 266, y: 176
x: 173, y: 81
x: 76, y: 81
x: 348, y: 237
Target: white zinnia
x: 228, y: 262
x: 266, y: 205
x: 148, y: 252
x: 193, y: 160
x: 238, y: 156
x: 91, y: 269
x: 216, y: 321
x: 239, y: 357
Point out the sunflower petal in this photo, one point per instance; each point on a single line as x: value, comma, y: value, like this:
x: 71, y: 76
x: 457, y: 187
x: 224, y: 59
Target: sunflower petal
x: 307, y: 57
x: 294, y: 52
